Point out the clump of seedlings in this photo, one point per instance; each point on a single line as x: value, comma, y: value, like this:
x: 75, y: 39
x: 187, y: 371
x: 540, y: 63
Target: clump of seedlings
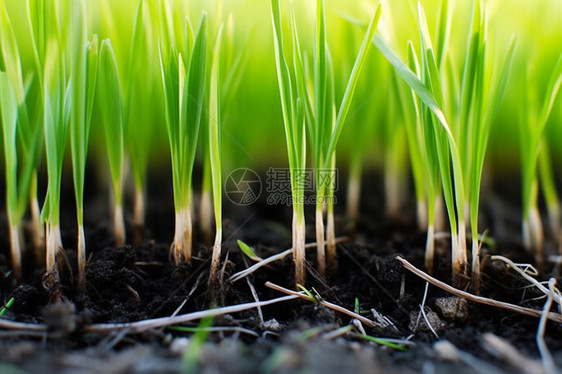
x: 413, y: 98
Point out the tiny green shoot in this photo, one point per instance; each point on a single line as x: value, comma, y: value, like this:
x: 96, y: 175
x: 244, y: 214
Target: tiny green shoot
x: 191, y: 355
x: 8, y: 305
x: 295, y: 134
x: 248, y: 251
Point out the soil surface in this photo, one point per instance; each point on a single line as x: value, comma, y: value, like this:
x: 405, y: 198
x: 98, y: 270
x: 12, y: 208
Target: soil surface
x: 137, y: 283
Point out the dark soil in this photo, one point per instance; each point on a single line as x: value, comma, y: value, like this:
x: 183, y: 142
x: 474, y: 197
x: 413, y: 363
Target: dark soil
x: 131, y: 284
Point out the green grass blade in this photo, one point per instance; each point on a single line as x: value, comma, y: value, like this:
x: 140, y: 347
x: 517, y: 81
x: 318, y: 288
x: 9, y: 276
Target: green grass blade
x: 350, y: 88
x: 111, y: 108
x: 192, y: 103
x: 9, y: 110
x: 215, y: 124
x: 78, y: 73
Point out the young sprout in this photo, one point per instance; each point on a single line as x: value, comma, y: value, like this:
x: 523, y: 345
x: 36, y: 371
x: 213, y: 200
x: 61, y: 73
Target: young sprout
x: 548, y: 186
x: 83, y: 74
x: 215, y: 154
x: 38, y: 16
x: 9, y: 109
x: 57, y: 97
x: 183, y: 92
x: 109, y: 94
x: 295, y: 134
x: 21, y: 177
x: 482, y: 88
x: 139, y: 112
x: 535, y: 114
x: 331, y: 137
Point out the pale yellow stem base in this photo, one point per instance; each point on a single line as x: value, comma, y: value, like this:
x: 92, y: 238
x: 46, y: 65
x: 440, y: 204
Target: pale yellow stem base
x: 181, y: 247
x: 421, y: 215
x: 119, y: 225
x: 54, y: 244
x: 299, y: 250
x: 139, y: 216
x: 533, y: 236
x: 353, y: 199
x: 15, y: 251
x: 81, y: 259
x: 37, y: 231
x: 215, y: 259
x: 430, y: 249
x: 320, y: 244
x: 476, y: 278
x: 331, y: 252
x: 205, y: 216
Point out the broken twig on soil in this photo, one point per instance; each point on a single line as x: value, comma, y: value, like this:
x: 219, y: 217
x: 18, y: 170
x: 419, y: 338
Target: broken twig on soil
x: 478, y: 299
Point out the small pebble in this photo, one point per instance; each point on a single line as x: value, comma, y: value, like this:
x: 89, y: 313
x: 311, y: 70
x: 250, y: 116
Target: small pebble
x: 418, y: 323
x: 453, y: 308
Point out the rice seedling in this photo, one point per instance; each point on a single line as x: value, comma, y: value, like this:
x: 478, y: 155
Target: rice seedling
x: 471, y: 107
x: 57, y: 98
x: 215, y: 153
x: 324, y: 122
x: 482, y: 89
x: 83, y: 75
x: 548, y: 187
x: 339, y: 120
x: 110, y: 99
x: 295, y: 133
x: 535, y: 112
x: 438, y: 111
x: 22, y: 136
x: 38, y: 15
x: 139, y: 113
x: 9, y: 121
x: 183, y: 78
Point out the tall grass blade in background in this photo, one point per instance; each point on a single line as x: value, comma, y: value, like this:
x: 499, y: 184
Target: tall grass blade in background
x: 295, y: 134
x: 215, y: 123
x: 83, y: 74
x: 183, y: 92
x: 110, y: 99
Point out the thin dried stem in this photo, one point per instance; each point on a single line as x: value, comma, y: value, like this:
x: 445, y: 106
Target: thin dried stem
x: 478, y: 299
x: 547, y: 360
x: 327, y: 304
